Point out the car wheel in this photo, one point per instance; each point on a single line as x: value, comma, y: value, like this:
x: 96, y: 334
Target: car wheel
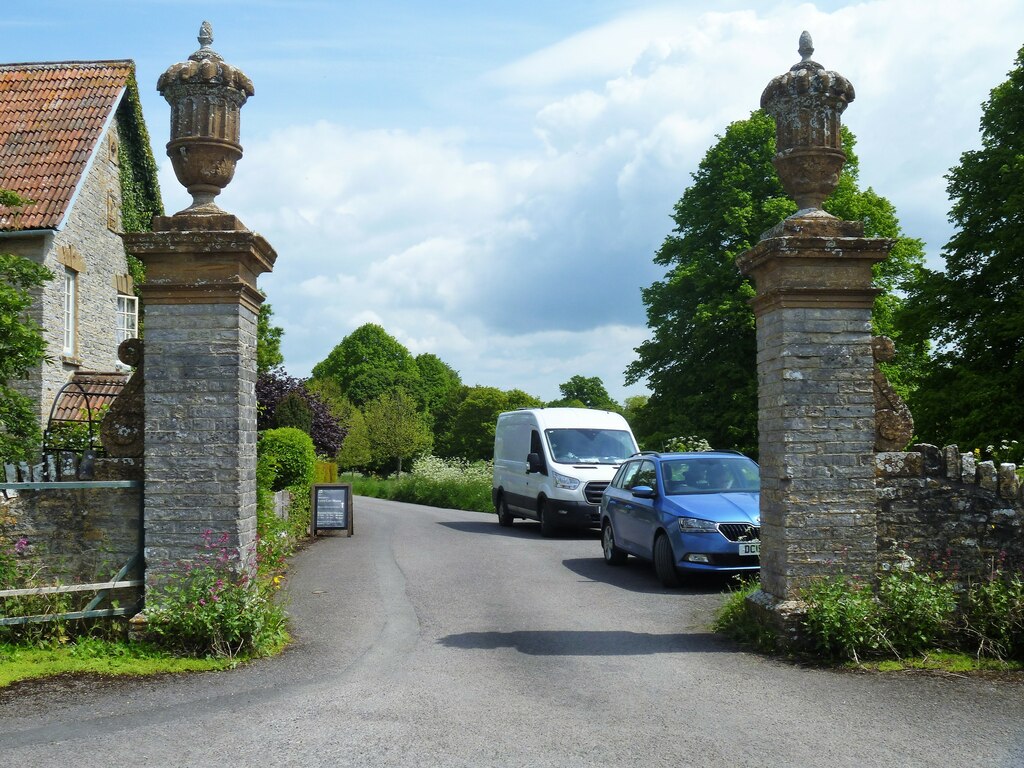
x: 547, y: 524
x: 665, y: 562
x: 612, y: 554
x: 505, y: 518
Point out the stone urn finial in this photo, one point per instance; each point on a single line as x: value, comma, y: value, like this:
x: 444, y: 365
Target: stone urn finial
x: 807, y: 102
x: 206, y: 94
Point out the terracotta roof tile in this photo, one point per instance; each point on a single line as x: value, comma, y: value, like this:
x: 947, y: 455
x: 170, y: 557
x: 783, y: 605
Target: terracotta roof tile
x: 86, y: 390
x: 51, y: 117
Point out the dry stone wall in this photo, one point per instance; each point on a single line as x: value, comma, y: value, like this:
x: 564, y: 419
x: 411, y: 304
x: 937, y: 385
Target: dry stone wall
x: 78, y: 534
x: 942, y: 509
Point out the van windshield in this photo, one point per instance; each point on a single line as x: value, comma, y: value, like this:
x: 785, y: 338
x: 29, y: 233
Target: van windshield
x: 590, y: 446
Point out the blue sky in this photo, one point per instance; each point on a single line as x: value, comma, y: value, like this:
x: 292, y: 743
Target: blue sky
x: 490, y: 181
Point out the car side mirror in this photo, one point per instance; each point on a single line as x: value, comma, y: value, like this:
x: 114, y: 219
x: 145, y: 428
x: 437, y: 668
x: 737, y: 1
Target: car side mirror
x: 534, y: 463
x: 644, y: 492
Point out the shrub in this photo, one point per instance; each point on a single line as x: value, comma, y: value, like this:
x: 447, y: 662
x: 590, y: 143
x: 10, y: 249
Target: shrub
x: 992, y: 616
x: 916, y: 611
x: 213, y: 609
x: 842, y: 619
x: 736, y: 619
x: 452, y: 484
x: 293, y: 411
x: 290, y: 452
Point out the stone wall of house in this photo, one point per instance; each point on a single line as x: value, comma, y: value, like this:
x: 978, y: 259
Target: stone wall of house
x: 940, y: 508
x: 78, y: 534
x: 90, y: 244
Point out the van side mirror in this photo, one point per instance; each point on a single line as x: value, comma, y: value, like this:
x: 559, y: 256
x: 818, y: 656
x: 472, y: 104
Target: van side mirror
x: 534, y: 463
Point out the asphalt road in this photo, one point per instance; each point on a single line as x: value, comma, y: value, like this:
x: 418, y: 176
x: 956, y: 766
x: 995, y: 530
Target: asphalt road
x: 437, y: 638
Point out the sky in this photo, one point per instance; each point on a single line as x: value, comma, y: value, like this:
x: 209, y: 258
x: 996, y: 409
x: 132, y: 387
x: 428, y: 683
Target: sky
x: 490, y: 181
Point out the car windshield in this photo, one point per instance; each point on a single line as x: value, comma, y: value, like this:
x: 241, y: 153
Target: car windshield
x: 590, y: 446
x: 710, y: 474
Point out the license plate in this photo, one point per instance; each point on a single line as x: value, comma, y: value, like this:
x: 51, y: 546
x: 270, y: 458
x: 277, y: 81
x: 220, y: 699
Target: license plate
x: 750, y: 547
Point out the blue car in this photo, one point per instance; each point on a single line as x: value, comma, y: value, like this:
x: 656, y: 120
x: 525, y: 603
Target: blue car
x: 685, y: 512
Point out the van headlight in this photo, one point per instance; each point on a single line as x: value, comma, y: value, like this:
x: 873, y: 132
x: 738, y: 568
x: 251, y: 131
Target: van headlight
x: 696, y: 525
x: 564, y: 481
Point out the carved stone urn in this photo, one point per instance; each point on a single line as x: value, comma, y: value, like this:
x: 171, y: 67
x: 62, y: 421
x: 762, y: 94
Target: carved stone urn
x: 807, y: 102
x: 206, y: 95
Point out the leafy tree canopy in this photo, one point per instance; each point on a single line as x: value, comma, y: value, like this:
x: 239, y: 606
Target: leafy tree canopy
x: 439, y: 381
x: 974, y: 310
x: 275, y: 386
x: 268, y: 341
x: 700, y: 361
x: 583, y: 392
x: 369, y: 363
x: 396, y: 429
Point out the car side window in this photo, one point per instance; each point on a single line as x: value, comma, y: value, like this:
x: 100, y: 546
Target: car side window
x: 625, y: 475
x: 645, y: 476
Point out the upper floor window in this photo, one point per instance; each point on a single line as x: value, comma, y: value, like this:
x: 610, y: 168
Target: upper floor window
x: 70, y: 312
x: 127, y: 317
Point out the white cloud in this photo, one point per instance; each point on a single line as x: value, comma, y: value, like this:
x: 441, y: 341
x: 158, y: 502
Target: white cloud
x: 522, y: 266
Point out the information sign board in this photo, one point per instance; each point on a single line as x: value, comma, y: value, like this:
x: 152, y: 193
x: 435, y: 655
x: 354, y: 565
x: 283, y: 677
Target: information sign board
x: 331, y: 508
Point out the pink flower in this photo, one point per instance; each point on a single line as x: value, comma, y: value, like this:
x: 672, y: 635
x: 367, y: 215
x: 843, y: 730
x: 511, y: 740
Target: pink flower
x: 21, y: 545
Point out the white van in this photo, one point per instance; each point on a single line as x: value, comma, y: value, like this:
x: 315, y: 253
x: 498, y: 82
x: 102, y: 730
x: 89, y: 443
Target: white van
x: 553, y: 464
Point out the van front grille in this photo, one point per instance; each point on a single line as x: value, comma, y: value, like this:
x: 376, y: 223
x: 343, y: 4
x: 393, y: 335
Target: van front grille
x: 593, y: 491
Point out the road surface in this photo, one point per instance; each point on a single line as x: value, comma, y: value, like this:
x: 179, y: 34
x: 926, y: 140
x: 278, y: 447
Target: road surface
x: 436, y: 638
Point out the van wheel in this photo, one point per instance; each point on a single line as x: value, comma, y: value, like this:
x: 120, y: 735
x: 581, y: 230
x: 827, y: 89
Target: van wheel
x: 665, y: 562
x: 505, y: 518
x: 612, y: 554
x: 547, y: 524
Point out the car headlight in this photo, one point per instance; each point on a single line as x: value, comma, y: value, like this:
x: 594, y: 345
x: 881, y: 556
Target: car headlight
x: 564, y: 481
x: 696, y: 525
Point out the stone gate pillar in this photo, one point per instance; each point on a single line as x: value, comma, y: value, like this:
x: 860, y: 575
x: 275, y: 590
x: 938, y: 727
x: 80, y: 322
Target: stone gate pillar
x: 201, y: 305
x: 816, y: 413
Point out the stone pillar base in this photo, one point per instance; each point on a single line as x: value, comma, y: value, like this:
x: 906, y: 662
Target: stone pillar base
x: 781, y: 617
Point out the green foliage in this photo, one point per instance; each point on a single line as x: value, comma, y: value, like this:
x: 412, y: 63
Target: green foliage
x: 396, y: 429
x: 974, y: 310
x: 268, y: 341
x: 212, y: 608
x: 355, y: 453
x: 440, y: 382
x: 583, y: 392
x: 293, y: 411
x: 450, y: 484
x: 289, y: 451
x: 688, y: 443
x: 993, y: 616
x: 368, y: 364
x: 21, y: 348
x: 842, y: 620
x: 700, y: 361
x: 470, y: 435
x: 917, y: 610
x: 22, y: 567
x: 913, y: 612
x: 736, y: 619
x: 140, y: 188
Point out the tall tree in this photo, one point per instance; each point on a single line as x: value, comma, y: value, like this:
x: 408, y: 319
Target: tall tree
x: 369, y: 363
x: 700, y: 361
x: 396, y: 429
x: 438, y: 381
x: 22, y: 347
x: 589, y: 392
x: 268, y: 341
x: 974, y: 310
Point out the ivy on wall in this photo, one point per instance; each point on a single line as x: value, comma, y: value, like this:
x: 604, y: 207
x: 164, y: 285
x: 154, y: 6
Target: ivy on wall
x: 140, y: 190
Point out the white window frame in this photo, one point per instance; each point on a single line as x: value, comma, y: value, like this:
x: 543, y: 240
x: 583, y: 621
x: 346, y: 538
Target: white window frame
x: 127, y: 317
x: 70, y: 312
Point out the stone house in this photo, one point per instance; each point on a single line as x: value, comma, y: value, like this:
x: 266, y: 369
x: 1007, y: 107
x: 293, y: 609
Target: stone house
x: 72, y: 140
